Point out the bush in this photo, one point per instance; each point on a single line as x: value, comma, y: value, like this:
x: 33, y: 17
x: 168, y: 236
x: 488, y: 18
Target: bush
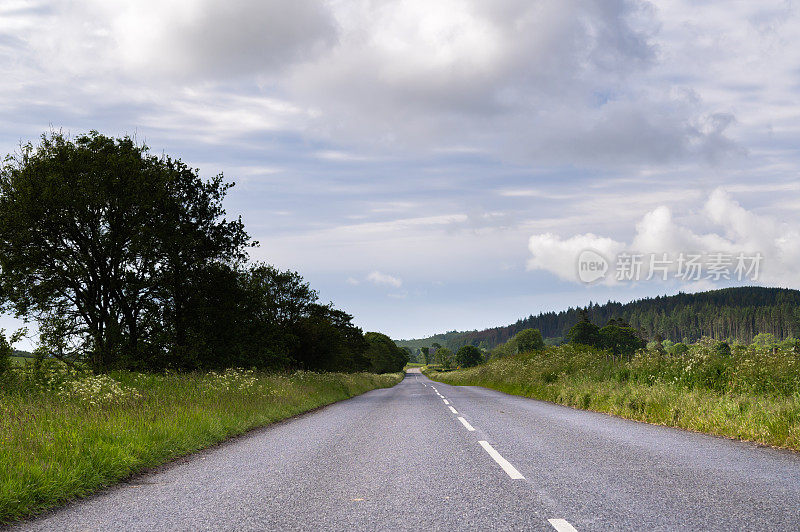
x: 620, y: 340
x: 584, y: 333
x: 529, y: 340
x: 469, y: 356
x: 444, y: 357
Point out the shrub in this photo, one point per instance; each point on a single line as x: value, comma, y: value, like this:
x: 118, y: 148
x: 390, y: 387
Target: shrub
x: 468, y: 356
x: 529, y: 340
x: 444, y: 357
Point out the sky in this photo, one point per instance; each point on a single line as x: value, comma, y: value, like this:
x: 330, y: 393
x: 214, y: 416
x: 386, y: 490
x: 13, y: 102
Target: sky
x: 431, y: 166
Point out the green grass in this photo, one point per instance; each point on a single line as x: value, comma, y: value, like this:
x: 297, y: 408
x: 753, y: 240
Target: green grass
x: 65, y: 436
x: 413, y: 365
x: 753, y: 394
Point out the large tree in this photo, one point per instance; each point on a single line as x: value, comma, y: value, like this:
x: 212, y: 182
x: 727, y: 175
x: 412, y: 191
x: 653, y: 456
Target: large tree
x: 383, y: 353
x: 101, y: 243
x: 468, y: 356
x: 584, y: 332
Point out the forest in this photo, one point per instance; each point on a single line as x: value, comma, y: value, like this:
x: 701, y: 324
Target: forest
x: 730, y: 314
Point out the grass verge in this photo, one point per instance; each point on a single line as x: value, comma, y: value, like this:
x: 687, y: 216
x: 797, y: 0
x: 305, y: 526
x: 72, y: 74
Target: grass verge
x: 62, y: 439
x: 769, y: 419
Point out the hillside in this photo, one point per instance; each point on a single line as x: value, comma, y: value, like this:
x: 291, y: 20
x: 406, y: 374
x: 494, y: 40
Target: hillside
x: 731, y: 313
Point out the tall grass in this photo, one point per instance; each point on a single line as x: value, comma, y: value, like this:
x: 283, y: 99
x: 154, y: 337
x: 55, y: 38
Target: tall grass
x: 750, y: 393
x: 65, y: 434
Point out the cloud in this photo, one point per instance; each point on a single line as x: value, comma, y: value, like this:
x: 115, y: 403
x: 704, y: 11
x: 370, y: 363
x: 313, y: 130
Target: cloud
x: 559, y: 256
x: 184, y: 39
x: 552, y: 80
x: 738, y: 231
x: 379, y: 278
x: 561, y: 81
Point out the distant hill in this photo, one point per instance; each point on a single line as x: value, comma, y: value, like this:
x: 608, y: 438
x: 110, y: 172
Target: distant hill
x: 731, y: 313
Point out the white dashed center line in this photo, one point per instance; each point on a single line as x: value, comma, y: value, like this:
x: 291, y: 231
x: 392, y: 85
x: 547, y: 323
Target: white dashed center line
x: 562, y: 525
x: 446, y: 401
x: 510, y: 470
x: 466, y: 424
x: 453, y: 410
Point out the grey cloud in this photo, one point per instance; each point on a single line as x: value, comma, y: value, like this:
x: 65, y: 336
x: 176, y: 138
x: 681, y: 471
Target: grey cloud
x: 549, y: 80
x: 248, y: 36
x: 180, y: 41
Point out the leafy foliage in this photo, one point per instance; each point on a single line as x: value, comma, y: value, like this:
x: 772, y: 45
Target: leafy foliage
x: 468, y: 356
x: 524, y: 341
x: 529, y: 340
x: 584, y: 332
x: 126, y: 260
x: 444, y: 357
x: 383, y: 354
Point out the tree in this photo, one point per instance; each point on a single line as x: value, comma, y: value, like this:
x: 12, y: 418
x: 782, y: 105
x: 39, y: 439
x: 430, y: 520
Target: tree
x: 444, y: 357
x: 102, y: 242
x: 383, y: 353
x: 620, y: 340
x: 529, y: 340
x: 584, y: 332
x: 328, y: 341
x: 468, y: 356
x: 426, y: 356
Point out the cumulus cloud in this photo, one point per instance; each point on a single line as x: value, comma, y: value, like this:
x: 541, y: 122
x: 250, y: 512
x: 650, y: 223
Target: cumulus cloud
x: 546, y: 80
x: 379, y: 278
x: 560, y: 256
x: 657, y: 234
x: 550, y: 79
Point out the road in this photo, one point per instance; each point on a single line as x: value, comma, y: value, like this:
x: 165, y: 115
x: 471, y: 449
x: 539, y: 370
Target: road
x: 428, y: 456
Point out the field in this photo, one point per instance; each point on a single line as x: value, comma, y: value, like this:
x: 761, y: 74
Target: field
x: 65, y: 434
x: 747, y: 392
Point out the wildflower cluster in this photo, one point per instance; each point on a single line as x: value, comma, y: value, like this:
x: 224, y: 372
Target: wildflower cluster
x: 98, y: 390
x: 233, y: 379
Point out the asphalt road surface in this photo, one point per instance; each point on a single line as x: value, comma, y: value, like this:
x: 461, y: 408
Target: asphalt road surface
x: 428, y: 456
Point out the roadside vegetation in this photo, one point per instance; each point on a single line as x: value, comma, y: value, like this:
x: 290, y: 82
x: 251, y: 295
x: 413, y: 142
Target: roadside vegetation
x: 744, y: 391
x: 145, y: 304
x: 65, y: 433
x: 737, y: 314
x: 127, y: 261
